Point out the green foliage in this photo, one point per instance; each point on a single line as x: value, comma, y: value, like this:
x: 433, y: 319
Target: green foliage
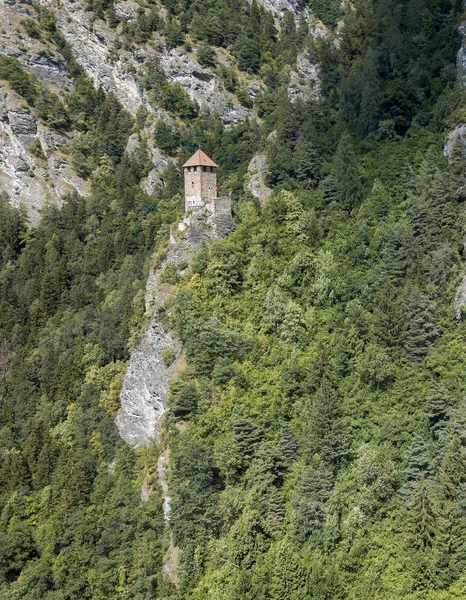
x: 317, y: 435
x: 206, y: 55
x: 170, y: 96
x: 26, y: 85
x: 30, y: 27
x: 71, y: 295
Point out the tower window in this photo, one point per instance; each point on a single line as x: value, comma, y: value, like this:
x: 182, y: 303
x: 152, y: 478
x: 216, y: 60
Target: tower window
x: 192, y: 183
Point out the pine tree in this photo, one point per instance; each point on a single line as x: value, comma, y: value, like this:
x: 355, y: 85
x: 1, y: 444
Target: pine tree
x: 246, y: 438
x: 423, y: 515
x: 370, y: 92
x: 288, y: 445
x: 329, y: 190
x: 453, y: 470
x: 322, y: 427
x: 399, y: 251
x: 419, y: 465
x: 312, y: 493
x: 422, y: 328
x: 388, y: 321
x: 438, y: 402
x: 274, y: 505
x: 451, y: 528
x: 346, y: 173
x: 306, y: 162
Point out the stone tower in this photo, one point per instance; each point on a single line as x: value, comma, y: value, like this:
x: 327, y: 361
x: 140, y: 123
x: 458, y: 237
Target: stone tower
x: 200, y: 182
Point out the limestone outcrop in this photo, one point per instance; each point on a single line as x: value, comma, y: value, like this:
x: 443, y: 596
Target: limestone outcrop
x: 93, y: 43
x: 39, y: 57
x: 459, y: 135
x: 305, y: 83
x: 256, y: 178
x: 32, y: 181
x: 159, y: 161
x: 280, y: 7
x: 146, y: 383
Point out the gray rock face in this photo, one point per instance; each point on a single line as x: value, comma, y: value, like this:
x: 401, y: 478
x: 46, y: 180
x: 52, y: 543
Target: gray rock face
x: 30, y: 182
x: 305, y: 83
x: 92, y: 43
x: 145, y: 387
x: 459, y: 133
x: 202, y: 85
x: 20, y: 120
x: 146, y: 383
x: 460, y: 299
x: 461, y: 56
x: 127, y: 10
x: 159, y: 162
x: 39, y: 57
x: 256, y: 177
x: 280, y: 7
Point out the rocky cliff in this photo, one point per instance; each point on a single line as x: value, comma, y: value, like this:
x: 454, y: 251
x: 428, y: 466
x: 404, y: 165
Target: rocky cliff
x: 35, y: 165
x: 94, y: 42
x: 156, y: 358
x: 34, y: 160
x: 458, y: 136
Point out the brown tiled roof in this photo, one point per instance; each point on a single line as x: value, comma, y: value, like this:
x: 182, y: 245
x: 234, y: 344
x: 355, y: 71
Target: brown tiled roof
x: 199, y: 159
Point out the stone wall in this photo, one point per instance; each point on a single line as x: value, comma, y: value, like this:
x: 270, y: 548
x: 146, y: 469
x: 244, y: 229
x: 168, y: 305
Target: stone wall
x: 221, y: 215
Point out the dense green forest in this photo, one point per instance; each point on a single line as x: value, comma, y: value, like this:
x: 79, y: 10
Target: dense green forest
x: 318, y: 431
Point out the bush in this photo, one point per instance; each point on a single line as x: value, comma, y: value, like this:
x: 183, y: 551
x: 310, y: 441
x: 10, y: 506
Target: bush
x: 206, y: 55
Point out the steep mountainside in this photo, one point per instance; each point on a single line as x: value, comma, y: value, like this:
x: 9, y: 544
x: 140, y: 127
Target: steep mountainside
x: 191, y: 410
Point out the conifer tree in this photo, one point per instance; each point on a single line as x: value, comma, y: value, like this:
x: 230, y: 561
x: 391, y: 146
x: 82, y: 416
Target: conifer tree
x: 451, y: 528
x: 288, y: 445
x: 246, y: 438
x: 423, y: 515
x: 399, y: 251
x: 346, y: 173
x: 419, y: 465
x: 388, y: 320
x: 438, y: 402
x: 274, y: 505
x: 329, y: 190
x: 453, y: 469
x: 422, y: 329
x: 312, y: 493
x: 370, y: 92
x: 322, y: 427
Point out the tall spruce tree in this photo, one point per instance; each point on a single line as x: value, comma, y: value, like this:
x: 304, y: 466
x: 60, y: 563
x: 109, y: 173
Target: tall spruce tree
x: 422, y: 328
x: 419, y: 465
x: 438, y: 403
x: 422, y: 521
x: 387, y: 318
x: 346, y: 173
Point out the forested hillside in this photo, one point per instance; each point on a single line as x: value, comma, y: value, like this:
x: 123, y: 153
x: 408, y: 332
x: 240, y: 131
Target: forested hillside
x: 317, y: 433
